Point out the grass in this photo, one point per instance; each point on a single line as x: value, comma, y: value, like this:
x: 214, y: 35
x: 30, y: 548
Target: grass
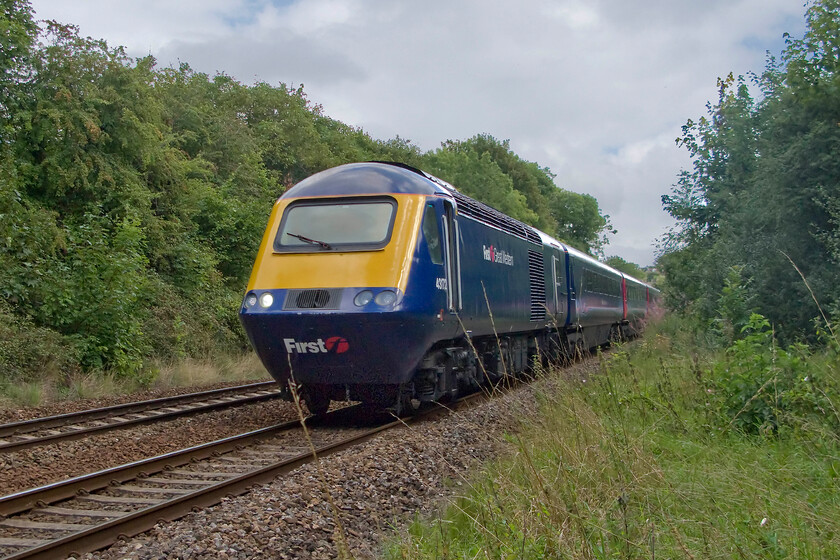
x: 22, y: 394
x: 638, y: 461
x: 186, y: 372
x: 222, y: 368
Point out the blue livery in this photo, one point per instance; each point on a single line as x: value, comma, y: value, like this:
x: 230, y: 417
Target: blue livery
x: 380, y: 283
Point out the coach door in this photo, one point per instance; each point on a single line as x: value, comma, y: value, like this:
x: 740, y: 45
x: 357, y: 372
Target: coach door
x: 561, y: 293
x: 453, y: 257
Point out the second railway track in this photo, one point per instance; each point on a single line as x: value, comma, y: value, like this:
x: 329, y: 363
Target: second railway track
x: 89, y: 512
x: 39, y: 431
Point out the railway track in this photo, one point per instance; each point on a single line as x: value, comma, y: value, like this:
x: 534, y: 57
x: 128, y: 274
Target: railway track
x: 39, y: 431
x: 92, y: 511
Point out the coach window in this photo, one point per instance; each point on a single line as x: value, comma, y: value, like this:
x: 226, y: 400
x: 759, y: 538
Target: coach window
x: 431, y: 232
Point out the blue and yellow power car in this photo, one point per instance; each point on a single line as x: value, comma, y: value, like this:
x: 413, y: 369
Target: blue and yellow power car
x: 377, y: 282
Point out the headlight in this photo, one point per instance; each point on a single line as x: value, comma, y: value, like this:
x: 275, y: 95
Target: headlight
x: 363, y: 298
x: 266, y: 300
x: 386, y: 297
x: 251, y: 300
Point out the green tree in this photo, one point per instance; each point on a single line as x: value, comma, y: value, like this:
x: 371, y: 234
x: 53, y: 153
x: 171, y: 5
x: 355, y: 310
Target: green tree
x: 723, y: 149
x: 762, y: 194
x: 527, y: 191
x: 580, y: 221
x: 629, y: 268
x: 18, y: 32
x: 528, y: 178
x: 478, y: 176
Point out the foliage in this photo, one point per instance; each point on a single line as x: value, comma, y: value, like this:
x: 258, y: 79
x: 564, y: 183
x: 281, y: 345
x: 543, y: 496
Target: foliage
x: 18, y: 32
x: 29, y: 352
x: 579, y: 221
x: 762, y: 388
x: 764, y: 189
x: 733, y: 311
x: 478, y: 176
x: 487, y: 169
x: 133, y: 198
x: 629, y: 268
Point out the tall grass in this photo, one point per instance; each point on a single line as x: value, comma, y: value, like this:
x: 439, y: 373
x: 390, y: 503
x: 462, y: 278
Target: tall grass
x: 640, y: 461
x: 184, y: 372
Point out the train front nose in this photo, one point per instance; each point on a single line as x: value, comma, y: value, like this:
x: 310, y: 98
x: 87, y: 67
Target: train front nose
x: 373, y: 343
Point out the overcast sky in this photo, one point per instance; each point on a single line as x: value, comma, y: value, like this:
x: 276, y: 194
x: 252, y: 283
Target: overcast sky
x: 595, y: 90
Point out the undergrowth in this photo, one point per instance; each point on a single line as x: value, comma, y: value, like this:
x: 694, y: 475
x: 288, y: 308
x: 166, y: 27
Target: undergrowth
x: 158, y: 374
x: 672, y: 450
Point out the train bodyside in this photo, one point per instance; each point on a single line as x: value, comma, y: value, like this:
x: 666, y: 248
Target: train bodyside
x: 598, y: 304
x: 380, y: 283
x: 636, y: 306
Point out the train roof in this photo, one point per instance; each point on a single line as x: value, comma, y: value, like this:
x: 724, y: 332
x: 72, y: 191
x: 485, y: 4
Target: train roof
x: 550, y: 241
x: 368, y: 178
x: 381, y: 177
x: 634, y: 280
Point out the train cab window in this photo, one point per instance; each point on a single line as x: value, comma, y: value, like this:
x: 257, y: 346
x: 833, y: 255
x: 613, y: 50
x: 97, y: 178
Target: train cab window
x: 431, y: 232
x: 363, y: 224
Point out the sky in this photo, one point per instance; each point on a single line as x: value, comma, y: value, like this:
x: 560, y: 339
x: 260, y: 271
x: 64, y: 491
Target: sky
x: 594, y: 90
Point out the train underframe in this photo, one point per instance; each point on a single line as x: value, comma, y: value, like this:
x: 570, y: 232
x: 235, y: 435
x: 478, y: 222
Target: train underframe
x: 458, y: 367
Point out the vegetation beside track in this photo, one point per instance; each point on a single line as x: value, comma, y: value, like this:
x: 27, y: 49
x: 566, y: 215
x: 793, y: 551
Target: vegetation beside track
x: 133, y: 199
x: 221, y: 367
x: 676, y: 448
x: 761, y: 198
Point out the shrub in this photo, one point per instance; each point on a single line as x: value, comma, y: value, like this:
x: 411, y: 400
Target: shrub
x: 29, y: 352
x: 760, y: 387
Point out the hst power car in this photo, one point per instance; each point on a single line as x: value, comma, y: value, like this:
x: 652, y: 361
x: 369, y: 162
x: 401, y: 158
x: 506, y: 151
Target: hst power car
x: 380, y: 283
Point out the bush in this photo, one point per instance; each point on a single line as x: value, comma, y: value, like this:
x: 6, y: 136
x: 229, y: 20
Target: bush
x: 29, y: 353
x: 761, y: 388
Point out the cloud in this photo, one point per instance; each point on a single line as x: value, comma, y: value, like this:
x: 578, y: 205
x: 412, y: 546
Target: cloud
x: 287, y: 58
x: 596, y: 90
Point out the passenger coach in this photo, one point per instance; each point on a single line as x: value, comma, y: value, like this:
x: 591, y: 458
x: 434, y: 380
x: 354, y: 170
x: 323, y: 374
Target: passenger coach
x: 380, y: 283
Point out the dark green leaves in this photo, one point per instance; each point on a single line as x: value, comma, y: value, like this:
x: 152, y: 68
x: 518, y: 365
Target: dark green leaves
x: 765, y: 184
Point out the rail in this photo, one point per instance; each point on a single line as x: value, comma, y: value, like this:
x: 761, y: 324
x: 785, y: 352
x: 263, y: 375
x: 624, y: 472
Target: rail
x: 91, y: 511
x: 51, y: 429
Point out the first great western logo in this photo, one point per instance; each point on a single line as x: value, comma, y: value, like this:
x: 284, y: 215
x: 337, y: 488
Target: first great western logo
x: 499, y: 256
x: 332, y: 345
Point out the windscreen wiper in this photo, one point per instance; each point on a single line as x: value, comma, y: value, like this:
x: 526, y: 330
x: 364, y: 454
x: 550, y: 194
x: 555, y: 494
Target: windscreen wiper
x: 323, y: 244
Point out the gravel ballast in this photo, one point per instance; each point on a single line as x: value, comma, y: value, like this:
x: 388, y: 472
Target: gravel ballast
x: 37, y: 466
x: 377, y: 488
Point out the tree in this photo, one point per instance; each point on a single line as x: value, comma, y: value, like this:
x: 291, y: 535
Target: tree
x: 629, y: 268
x: 491, y: 172
x: 478, y: 176
x: 527, y: 177
x: 18, y: 32
x: 764, y: 189
x: 579, y: 220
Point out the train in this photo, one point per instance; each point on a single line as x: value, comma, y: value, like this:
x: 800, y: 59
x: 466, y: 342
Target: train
x: 378, y: 282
